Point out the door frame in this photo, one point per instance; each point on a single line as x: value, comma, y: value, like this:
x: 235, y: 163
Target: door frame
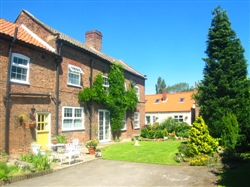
x: 104, y: 140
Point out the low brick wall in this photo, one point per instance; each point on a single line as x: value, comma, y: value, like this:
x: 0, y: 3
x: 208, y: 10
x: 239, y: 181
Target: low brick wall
x: 27, y: 176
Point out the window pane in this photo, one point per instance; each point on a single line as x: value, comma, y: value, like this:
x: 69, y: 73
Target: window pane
x: 74, y: 79
x: 68, y: 112
x: 77, y: 123
x: 78, y: 112
x: 67, y: 123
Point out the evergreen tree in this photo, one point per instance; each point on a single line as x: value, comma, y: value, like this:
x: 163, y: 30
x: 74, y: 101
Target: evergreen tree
x: 160, y: 85
x: 230, y: 131
x: 225, y: 87
x: 199, y: 141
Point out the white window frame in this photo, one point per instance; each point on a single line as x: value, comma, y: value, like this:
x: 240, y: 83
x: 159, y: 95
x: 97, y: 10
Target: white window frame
x: 148, y: 122
x: 124, y: 125
x: 76, y: 71
x: 105, y: 83
x: 73, y: 118
x: 179, y: 118
x: 21, y: 67
x: 137, y: 91
x: 136, y: 120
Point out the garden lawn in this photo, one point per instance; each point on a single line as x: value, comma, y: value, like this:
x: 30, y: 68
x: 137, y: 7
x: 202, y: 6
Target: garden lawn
x: 148, y: 152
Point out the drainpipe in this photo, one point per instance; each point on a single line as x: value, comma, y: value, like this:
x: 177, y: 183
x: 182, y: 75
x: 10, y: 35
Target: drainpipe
x: 58, y: 63
x: 7, y: 97
x: 90, y: 102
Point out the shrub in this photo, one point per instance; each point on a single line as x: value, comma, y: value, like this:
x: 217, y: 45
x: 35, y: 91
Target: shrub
x: 144, y: 132
x: 230, y: 131
x: 39, y: 161
x: 199, y: 160
x: 200, y: 142
x: 159, y: 133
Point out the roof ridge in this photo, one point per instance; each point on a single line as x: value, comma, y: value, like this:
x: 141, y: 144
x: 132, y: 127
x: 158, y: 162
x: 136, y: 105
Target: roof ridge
x: 77, y: 43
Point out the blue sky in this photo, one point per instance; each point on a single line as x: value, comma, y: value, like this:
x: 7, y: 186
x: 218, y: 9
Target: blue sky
x: 163, y: 38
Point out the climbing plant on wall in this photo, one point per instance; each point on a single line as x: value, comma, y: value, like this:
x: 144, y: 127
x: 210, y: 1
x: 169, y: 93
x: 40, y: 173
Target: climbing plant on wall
x: 117, y: 100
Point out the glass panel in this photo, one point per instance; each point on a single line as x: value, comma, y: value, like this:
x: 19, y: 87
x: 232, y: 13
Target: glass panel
x: 68, y: 112
x: 77, y: 123
x: 78, y: 112
x: 106, y: 125
x: 67, y: 123
x: 74, y: 79
x: 100, y: 125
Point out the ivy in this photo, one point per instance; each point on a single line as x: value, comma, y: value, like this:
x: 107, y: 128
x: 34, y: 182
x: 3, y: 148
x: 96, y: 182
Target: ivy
x: 117, y: 100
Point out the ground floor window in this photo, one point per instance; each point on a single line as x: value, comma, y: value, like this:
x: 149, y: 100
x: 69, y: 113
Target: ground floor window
x: 179, y: 118
x: 124, y: 123
x: 136, y: 120
x: 147, y: 120
x: 72, y: 118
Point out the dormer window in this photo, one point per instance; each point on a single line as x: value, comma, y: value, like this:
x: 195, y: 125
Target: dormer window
x: 74, y: 75
x: 181, y: 100
x: 157, y: 101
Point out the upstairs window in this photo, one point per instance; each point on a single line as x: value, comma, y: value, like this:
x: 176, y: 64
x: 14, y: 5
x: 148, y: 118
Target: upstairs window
x: 19, y: 68
x: 137, y: 91
x: 105, y: 83
x: 73, y: 118
x: 181, y: 100
x: 157, y: 101
x: 74, y: 76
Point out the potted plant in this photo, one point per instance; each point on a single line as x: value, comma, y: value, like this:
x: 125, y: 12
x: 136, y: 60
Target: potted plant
x: 32, y: 124
x: 4, y: 157
x: 91, y: 145
x: 61, y: 138
x: 54, y: 140
x: 22, y: 119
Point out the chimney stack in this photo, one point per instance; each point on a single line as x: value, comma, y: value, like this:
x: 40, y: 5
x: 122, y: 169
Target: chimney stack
x: 164, y: 94
x: 94, y: 39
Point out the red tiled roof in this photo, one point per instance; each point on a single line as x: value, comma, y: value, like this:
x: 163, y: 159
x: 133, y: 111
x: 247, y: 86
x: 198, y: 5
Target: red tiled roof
x: 23, y: 34
x: 171, y: 104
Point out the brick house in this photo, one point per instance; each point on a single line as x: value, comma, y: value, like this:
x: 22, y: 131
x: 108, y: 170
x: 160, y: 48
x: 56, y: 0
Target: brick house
x: 47, y: 70
x: 180, y: 106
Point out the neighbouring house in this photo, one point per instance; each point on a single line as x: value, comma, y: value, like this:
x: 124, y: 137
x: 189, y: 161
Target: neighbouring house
x: 42, y: 72
x: 179, y: 106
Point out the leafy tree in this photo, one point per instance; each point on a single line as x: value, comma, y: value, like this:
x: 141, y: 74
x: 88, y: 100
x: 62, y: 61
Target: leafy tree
x: 230, y: 131
x: 225, y: 87
x: 199, y: 141
x: 160, y: 85
x: 180, y: 87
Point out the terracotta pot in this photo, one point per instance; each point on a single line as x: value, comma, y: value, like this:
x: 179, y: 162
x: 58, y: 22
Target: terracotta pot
x: 91, y: 150
x: 54, y: 141
x: 32, y: 125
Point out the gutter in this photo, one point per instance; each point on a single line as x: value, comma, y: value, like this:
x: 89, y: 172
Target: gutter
x: 58, y: 64
x: 7, y: 97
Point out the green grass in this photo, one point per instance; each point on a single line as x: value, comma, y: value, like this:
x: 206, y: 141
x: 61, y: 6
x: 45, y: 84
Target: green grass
x: 147, y: 152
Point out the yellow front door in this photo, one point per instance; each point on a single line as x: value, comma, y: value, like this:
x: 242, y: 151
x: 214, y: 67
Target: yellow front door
x: 43, y: 129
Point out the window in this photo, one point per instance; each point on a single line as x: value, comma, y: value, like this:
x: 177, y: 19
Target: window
x: 105, y: 83
x: 72, y: 118
x: 148, y: 120
x: 74, y: 76
x: 137, y: 91
x: 181, y: 99
x: 157, y: 101
x: 136, y: 120
x: 19, y: 68
x: 124, y: 122
x: 179, y: 118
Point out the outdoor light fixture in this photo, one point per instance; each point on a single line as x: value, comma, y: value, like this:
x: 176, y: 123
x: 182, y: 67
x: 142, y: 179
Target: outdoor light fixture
x: 133, y: 83
x: 33, y: 109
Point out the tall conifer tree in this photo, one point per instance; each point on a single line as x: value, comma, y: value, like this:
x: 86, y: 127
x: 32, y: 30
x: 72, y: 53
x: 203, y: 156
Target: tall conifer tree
x: 225, y: 87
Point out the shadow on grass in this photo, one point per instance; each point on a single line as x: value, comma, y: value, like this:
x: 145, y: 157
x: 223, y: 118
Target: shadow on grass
x: 236, y: 171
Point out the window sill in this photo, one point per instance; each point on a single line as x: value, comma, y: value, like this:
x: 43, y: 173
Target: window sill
x: 72, y: 85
